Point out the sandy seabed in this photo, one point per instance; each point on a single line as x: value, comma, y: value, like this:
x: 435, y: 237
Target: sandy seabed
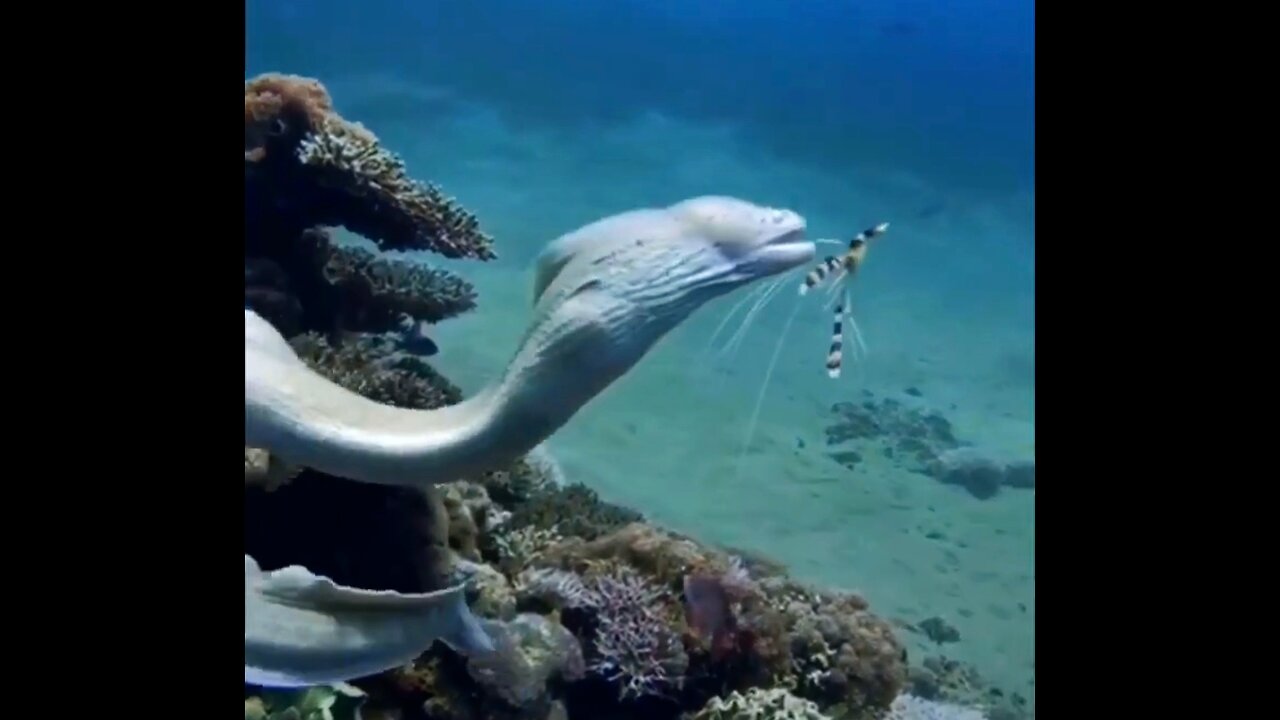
x: 944, y: 302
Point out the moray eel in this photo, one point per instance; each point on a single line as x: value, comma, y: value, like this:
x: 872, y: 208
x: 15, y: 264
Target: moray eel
x: 604, y: 295
x: 301, y: 629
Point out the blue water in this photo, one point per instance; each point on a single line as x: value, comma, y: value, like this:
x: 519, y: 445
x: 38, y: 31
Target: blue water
x: 542, y: 115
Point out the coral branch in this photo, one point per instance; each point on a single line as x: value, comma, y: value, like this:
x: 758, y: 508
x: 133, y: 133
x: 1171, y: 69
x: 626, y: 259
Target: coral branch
x: 403, y: 382
x: 376, y: 198
x: 387, y: 288
x: 326, y: 170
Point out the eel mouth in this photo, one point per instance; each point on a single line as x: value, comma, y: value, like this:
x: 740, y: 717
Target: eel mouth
x: 791, y: 236
x: 785, y: 251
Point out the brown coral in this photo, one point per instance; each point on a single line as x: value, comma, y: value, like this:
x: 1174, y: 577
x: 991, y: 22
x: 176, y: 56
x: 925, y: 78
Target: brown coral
x: 375, y: 197
x: 360, y: 367
x: 574, y: 510
x: 472, y: 516
x: 307, y: 168
x: 842, y: 653
x: 383, y: 289
x: 657, y: 553
x: 335, y: 172
x: 274, y: 101
x: 518, y: 484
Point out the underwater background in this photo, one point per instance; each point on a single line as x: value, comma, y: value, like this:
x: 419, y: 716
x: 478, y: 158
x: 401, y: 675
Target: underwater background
x: 540, y: 116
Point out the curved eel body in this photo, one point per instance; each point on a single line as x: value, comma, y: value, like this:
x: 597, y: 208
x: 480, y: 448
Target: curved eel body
x: 603, y: 296
x: 302, y: 630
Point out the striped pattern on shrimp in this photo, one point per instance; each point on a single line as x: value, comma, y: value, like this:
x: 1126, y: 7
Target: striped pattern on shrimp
x: 847, y: 264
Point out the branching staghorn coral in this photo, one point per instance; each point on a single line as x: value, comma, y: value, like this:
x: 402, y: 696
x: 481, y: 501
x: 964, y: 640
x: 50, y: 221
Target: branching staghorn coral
x: 555, y: 589
x: 634, y: 644
x: 631, y: 629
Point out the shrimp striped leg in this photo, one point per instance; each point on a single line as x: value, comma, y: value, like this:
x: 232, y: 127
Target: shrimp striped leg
x: 843, y: 316
x: 835, y: 354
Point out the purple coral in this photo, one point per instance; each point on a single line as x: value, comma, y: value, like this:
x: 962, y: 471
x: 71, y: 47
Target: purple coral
x: 634, y: 644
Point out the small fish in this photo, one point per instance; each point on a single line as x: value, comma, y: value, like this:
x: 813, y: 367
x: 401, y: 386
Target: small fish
x: 414, y: 339
x: 302, y: 629
x: 709, y: 614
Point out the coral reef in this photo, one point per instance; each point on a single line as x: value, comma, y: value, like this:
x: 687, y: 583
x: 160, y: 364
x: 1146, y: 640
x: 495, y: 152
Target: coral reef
x: 363, y: 366
x: 635, y: 645
x: 841, y: 654
x: 642, y: 623
x: 329, y: 171
x: 573, y: 510
x: 738, y: 632
x: 337, y: 702
x: 757, y: 704
x: 595, y: 613
x: 920, y: 441
x: 491, y: 594
x: 531, y: 651
x: 308, y: 169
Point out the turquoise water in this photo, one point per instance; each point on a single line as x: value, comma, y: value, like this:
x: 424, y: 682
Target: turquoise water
x: 543, y: 116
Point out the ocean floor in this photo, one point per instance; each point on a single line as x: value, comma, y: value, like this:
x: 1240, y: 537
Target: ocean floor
x: 668, y: 439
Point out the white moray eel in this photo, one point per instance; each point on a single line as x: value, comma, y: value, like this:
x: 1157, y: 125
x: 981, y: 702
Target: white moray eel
x: 301, y: 629
x: 603, y: 296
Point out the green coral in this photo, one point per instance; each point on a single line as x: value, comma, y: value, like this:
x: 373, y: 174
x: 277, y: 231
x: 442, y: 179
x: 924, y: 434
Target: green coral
x: 325, y: 702
x: 758, y: 704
